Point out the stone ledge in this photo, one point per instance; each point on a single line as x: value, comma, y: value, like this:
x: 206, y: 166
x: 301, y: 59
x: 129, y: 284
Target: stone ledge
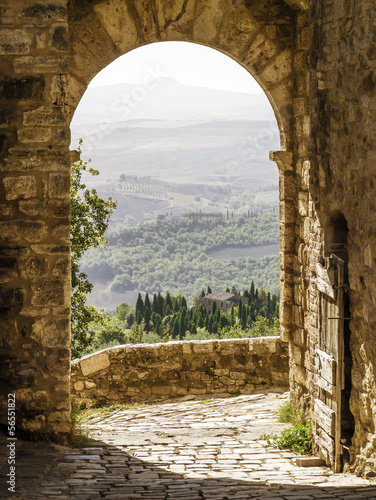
x: 151, y: 372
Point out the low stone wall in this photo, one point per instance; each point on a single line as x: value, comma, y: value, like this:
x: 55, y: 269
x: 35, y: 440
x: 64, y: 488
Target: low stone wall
x: 135, y: 373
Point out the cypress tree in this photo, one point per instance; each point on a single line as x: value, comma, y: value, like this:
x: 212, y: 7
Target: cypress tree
x: 209, y: 290
x: 160, y: 300
x: 240, y: 309
x: 139, y: 309
x: 155, y: 305
x: 214, y: 307
x: 252, y: 291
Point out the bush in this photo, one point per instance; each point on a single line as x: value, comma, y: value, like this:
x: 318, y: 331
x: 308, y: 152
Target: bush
x: 297, y: 438
x: 288, y: 414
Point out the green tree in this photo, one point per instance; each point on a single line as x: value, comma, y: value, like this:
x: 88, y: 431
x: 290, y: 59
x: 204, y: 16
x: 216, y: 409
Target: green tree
x: 90, y: 216
x: 122, y: 311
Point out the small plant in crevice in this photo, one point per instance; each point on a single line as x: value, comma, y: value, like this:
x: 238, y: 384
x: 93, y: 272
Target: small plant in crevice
x: 78, y: 435
x: 297, y: 438
x: 288, y: 414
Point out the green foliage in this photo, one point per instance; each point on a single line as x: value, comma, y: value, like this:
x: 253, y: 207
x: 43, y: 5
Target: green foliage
x: 137, y: 334
x: 287, y: 414
x: 110, y: 334
x: 297, y: 438
x: 122, y: 311
x: 90, y: 215
x: 176, y: 257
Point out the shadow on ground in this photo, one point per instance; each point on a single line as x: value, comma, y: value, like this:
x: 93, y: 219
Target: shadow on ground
x: 105, y: 471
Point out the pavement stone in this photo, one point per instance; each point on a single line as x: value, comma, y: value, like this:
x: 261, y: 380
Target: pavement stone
x: 188, y: 450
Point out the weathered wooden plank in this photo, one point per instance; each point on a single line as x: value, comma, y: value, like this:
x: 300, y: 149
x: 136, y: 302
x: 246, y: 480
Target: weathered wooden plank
x: 323, y: 384
x: 324, y: 417
x: 326, y: 366
x: 326, y: 442
x: 324, y: 287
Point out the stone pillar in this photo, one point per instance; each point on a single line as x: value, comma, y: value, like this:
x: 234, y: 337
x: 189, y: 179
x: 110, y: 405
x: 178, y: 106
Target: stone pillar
x: 34, y: 216
x: 284, y: 160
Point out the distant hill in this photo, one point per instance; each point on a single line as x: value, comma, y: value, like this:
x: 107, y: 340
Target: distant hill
x: 170, y: 100
x: 199, y: 139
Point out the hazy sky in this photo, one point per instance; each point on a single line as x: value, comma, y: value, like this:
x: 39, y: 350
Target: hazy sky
x: 188, y: 63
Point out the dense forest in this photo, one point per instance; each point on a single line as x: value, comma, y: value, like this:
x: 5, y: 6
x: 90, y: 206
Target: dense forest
x: 162, y: 256
x: 163, y: 318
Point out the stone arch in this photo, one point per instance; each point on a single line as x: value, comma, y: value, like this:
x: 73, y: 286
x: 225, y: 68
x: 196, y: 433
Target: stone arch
x: 104, y: 30
x: 49, y: 53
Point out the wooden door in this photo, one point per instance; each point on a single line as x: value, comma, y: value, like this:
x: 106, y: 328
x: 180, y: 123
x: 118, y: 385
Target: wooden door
x: 329, y: 359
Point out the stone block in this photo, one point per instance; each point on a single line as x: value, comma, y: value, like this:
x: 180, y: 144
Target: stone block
x: 14, y: 41
x: 23, y: 186
x: 51, y: 249
x: 49, y: 293
x: 203, y: 348
x: 22, y: 88
x: 278, y: 69
x: 52, y: 333
x: 59, y: 37
x: 61, y: 232
x: 58, y: 186
x: 33, y: 267
x: 44, y: 116
x: 41, y: 64
x: 261, y: 51
x: 49, y: 208
x: 61, y: 267
x: 119, y: 24
x: 34, y: 134
x: 45, y: 11
x: 94, y: 363
x: 18, y: 230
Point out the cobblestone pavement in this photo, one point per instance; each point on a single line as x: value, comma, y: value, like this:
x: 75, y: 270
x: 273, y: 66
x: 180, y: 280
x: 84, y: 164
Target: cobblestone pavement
x: 190, y: 450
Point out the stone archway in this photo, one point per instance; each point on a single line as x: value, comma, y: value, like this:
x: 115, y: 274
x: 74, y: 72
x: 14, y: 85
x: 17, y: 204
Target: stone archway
x: 50, y: 54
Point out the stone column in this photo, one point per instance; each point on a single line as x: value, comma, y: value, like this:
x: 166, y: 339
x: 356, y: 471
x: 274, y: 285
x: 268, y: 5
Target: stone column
x: 287, y: 193
x: 34, y: 216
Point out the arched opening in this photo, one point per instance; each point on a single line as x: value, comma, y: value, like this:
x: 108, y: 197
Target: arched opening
x: 209, y: 159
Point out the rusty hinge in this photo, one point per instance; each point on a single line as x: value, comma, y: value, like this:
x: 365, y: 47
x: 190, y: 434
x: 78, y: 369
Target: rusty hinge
x: 340, y: 317
x: 345, y: 286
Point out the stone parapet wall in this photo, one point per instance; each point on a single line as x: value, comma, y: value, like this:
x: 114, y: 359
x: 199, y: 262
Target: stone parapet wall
x: 150, y: 372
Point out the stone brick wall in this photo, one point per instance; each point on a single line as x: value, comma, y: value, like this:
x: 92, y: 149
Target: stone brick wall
x: 34, y: 215
x: 342, y: 179
x: 49, y: 52
x: 150, y: 372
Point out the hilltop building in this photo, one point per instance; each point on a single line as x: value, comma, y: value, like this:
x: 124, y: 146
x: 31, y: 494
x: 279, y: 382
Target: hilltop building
x: 224, y: 300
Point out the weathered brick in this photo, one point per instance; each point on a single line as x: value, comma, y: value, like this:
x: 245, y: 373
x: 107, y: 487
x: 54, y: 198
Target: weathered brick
x: 51, y: 332
x: 34, y: 134
x: 22, y: 88
x: 23, y: 186
x: 49, y: 292
x: 59, y: 37
x: 45, y: 116
x: 61, y: 267
x: 43, y: 11
x: 14, y: 41
x: 49, y: 208
x: 58, y: 186
x: 41, y: 64
x: 18, y: 230
x: 26, y: 159
x: 33, y: 267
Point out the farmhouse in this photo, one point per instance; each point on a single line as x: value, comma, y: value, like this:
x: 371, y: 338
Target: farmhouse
x: 224, y: 300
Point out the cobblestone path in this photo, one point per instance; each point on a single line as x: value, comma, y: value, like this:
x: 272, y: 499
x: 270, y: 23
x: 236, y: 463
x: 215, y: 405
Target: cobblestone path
x: 190, y: 450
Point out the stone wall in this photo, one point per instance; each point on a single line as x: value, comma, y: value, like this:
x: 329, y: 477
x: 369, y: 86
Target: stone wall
x: 150, y: 372
x: 342, y: 181
x: 34, y: 215
x: 49, y: 52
